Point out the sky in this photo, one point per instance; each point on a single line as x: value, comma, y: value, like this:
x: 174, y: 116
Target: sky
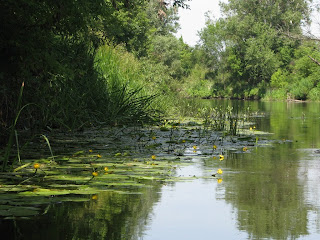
x: 193, y: 20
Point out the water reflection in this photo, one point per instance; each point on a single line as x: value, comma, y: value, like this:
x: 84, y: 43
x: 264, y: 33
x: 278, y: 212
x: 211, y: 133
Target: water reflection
x: 109, y: 215
x: 192, y: 210
x: 273, y: 191
x: 267, y: 193
x: 268, y: 187
x: 264, y: 193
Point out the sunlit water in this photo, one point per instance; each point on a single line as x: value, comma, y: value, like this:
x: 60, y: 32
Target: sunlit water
x: 269, y: 192
x: 193, y: 210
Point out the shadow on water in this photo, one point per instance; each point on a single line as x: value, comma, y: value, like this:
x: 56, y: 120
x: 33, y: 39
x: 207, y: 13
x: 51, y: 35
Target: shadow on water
x: 108, y: 215
x: 269, y: 191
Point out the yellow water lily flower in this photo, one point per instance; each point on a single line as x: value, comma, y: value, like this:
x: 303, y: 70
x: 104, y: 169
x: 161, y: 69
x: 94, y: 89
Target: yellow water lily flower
x: 153, y: 157
x: 219, y: 171
x: 36, y: 165
x: 94, y: 197
x: 95, y: 174
x: 221, y: 157
x: 154, y: 137
x: 90, y: 150
x: 99, y: 156
x: 183, y: 141
x: 106, y: 169
x: 244, y: 149
x: 219, y: 180
x: 250, y: 128
x: 214, y: 147
x: 194, y: 147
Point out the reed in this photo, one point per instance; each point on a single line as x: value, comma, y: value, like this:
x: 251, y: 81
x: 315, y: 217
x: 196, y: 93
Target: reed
x: 126, y: 99
x: 9, y: 145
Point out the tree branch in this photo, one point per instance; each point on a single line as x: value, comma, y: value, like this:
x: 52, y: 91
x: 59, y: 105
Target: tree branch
x: 314, y: 60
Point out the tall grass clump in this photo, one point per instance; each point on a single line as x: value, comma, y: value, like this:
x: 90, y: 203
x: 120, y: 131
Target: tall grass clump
x: 126, y: 98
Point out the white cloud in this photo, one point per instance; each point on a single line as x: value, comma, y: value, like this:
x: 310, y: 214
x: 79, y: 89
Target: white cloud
x: 193, y: 20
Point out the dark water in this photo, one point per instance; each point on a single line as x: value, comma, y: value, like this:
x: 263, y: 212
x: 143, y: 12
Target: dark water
x: 268, y: 192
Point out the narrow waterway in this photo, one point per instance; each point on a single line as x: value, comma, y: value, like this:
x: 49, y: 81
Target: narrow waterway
x: 269, y: 191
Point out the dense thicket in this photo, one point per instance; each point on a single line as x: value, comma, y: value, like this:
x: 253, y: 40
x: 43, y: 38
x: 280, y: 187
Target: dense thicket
x: 51, y: 47
x: 255, y: 51
x: 87, y: 63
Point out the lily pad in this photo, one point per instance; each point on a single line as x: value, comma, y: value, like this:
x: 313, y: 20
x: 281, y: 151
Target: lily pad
x: 19, y: 211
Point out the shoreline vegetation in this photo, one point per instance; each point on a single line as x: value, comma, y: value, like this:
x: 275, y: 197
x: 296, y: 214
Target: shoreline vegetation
x: 91, y: 64
x: 78, y: 166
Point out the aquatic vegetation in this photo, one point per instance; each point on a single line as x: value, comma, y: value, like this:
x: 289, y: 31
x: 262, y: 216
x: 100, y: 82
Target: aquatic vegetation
x: 121, y: 159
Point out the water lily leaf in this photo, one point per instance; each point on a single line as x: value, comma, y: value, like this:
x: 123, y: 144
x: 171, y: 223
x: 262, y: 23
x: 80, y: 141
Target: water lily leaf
x: 20, y: 211
x: 78, y: 153
x: 153, y: 146
x: 69, y: 178
x: 71, y: 199
x: 4, y: 207
x: 130, y: 193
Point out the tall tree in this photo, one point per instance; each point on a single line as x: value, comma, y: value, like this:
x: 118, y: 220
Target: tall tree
x: 248, y: 42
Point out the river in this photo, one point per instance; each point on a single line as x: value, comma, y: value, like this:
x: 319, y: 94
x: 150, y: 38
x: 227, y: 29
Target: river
x: 270, y: 191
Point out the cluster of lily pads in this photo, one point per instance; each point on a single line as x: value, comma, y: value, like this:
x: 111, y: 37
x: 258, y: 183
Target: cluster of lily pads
x: 122, y: 159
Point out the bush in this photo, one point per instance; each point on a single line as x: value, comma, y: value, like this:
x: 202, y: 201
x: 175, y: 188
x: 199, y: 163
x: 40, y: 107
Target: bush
x: 301, y: 89
x: 125, y: 97
x: 276, y: 94
x: 314, y: 94
x: 196, y: 85
x: 279, y: 79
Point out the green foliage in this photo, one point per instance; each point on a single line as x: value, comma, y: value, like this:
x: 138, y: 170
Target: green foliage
x: 279, y: 79
x: 195, y: 85
x: 166, y: 50
x: 305, y: 72
x: 276, y: 94
x: 51, y: 46
x: 125, y: 100
x: 314, y: 93
x: 247, y: 46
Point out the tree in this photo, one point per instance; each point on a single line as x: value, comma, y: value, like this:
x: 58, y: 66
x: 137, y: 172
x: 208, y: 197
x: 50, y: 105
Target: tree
x: 248, y: 42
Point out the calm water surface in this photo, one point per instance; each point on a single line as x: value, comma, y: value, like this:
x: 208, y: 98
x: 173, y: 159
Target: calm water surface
x: 269, y: 192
